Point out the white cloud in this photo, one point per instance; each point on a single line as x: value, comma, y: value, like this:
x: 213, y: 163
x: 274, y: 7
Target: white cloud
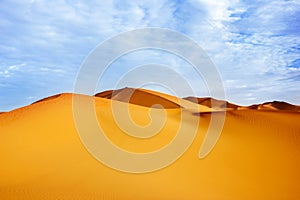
x: 253, y: 43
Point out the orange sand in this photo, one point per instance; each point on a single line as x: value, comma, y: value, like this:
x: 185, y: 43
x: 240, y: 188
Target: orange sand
x: 42, y: 157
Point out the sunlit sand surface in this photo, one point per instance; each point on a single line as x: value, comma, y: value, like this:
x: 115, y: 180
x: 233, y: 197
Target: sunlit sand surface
x: 256, y: 157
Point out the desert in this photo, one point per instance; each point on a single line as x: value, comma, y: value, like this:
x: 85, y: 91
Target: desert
x: 256, y: 156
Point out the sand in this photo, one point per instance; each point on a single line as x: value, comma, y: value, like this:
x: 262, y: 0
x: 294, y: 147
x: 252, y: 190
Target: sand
x: 210, y: 102
x: 42, y: 156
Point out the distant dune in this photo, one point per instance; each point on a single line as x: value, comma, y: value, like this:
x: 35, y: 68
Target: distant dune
x: 256, y: 156
x: 207, y: 101
x: 276, y: 105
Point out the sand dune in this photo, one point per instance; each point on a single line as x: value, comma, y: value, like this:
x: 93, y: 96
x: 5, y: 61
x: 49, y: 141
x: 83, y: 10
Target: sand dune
x: 208, y: 101
x: 138, y: 97
x: 42, y: 156
x: 149, y: 98
x: 48, y: 98
x: 276, y: 105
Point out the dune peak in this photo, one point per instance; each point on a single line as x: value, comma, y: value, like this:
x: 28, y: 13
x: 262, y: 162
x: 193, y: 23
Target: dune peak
x: 139, y: 97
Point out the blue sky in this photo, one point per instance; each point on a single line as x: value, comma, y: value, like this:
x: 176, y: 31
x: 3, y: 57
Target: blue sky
x: 255, y: 45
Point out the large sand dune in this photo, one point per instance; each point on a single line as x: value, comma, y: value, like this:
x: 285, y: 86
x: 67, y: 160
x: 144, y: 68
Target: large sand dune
x: 150, y: 98
x: 42, y: 156
x: 138, y: 97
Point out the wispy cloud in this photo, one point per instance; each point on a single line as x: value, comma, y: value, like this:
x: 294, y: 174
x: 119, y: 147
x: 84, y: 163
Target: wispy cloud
x: 254, y: 44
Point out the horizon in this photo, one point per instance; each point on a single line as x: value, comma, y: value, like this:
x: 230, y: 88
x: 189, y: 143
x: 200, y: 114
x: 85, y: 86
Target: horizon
x: 255, y: 46
x: 54, y: 95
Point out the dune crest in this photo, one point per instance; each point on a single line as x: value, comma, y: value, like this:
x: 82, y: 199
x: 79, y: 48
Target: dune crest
x: 48, y: 98
x: 149, y: 98
x: 276, y: 105
x: 138, y: 97
x: 208, y: 101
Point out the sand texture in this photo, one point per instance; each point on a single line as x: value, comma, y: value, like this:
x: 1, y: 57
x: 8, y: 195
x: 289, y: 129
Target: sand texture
x: 256, y: 157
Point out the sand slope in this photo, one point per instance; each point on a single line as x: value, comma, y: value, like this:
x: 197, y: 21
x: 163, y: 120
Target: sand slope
x: 42, y: 157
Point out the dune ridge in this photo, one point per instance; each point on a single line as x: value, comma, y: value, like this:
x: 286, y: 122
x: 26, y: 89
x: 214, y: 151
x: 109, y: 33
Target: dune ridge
x: 138, y: 97
x: 208, y: 101
x: 150, y: 98
x: 47, y: 98
x: 276, y: 105
x: 271, y: 106
x: 42, y: 156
